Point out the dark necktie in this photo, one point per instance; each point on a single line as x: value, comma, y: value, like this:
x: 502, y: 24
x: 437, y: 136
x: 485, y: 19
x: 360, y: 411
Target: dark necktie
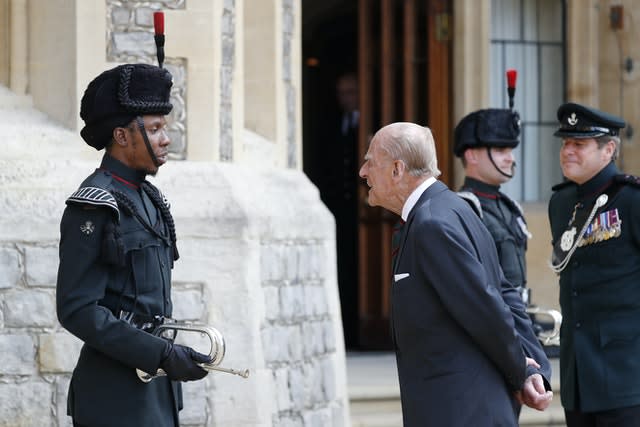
x: 395, y: 240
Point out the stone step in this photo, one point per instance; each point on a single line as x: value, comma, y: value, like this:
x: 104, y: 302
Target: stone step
x: 552, y: 416
x: 376, y: 413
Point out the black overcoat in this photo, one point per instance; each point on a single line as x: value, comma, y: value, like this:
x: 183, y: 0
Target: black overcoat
x: 458, y: 353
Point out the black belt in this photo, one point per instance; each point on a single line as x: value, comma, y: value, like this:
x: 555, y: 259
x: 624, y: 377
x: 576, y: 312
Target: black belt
x: 147, y: 323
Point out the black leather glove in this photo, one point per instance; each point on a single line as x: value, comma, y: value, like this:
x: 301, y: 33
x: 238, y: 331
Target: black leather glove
x: 180, y: 363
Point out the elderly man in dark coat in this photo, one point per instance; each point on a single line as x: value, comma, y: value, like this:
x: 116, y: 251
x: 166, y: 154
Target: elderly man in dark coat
x: 454, y: 316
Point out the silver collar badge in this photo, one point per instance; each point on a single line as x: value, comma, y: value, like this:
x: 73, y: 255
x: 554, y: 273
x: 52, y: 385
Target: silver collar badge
x: 87, y: 227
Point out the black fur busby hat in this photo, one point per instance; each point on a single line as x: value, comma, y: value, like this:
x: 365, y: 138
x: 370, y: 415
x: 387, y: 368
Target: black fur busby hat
x: 117, y: 96
x: 487, y: 128
x: 580, y: 121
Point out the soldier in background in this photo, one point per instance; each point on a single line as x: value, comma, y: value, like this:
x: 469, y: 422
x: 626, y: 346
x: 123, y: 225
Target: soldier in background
x: 484, y: 141
x: 595, y: 228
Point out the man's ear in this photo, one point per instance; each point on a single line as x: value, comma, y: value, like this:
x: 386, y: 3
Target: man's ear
x: 398, y: 168
x: 611, y: 148
x: 120, y: 136
x: 470, y: 155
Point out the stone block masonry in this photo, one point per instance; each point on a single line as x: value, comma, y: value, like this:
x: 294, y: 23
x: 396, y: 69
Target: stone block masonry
x: 256, y: 263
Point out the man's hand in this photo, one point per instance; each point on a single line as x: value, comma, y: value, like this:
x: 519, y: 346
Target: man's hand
x: 533, y: 393
x: 181, y: 363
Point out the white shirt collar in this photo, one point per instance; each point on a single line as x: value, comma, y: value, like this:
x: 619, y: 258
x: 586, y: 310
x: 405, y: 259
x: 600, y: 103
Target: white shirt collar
x: 414, y: 196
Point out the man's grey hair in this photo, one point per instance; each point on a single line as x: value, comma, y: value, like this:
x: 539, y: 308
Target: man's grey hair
x: 414, y: 146
x: 604, y: 139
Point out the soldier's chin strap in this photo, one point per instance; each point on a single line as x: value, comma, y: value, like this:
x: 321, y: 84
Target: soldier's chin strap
x: 513, y: 166
x: 143, y: 131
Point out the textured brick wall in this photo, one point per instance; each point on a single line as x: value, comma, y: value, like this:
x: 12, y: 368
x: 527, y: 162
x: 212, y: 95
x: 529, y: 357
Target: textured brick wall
x: 298, y: 333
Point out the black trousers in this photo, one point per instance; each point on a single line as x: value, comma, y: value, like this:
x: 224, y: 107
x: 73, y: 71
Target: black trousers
x: 621, y: 417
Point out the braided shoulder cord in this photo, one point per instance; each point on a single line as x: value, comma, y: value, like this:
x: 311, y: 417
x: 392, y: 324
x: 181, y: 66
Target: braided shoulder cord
x: 125, y: 203
x: 161, y: 204
x: 129, y: 208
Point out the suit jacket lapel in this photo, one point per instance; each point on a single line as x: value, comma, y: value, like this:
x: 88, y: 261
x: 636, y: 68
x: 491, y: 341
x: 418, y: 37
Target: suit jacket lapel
x: 435, y: 188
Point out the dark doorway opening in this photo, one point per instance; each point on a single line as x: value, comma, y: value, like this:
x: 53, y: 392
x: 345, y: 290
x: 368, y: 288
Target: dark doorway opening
x: 330, y: 133
x: 400, y: 51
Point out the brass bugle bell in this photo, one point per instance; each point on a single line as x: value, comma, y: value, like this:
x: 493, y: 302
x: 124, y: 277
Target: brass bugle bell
x: 550, y: 337
x: 216, y: 353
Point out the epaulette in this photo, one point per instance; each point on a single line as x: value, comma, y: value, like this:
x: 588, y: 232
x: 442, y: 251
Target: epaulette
x: 473, y: 200
x: 562, y: 185
x: 94, y: 196
x: 627, y: 179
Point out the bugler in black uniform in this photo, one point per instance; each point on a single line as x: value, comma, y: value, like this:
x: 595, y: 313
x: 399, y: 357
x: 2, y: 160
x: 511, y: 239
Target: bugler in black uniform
x: 117, y: 249
x: 595, y: 228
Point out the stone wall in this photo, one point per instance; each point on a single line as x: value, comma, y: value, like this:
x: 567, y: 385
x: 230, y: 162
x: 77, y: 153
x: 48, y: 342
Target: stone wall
x: 257, y: 262
x: 256, y: 250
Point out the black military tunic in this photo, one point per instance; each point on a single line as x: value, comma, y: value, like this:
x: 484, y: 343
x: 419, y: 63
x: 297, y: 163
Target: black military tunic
x: 599, y: 291
x: 505, y: 221
x: 116, y: 257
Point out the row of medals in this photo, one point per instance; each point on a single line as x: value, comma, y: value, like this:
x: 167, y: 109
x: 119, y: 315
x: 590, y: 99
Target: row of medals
x: 605, y: 226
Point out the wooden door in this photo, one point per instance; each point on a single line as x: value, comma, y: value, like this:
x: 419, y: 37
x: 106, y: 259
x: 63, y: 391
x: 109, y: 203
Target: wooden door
x: 404, y: 70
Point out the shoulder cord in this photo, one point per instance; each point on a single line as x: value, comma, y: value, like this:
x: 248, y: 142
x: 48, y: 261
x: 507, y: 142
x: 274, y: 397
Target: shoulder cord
x: 128, y: 207
x: 158, y: 201
x: 600, y: 201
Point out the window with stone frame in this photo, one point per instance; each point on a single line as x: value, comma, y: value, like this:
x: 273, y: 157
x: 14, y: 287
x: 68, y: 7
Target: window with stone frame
x: 528, y: 35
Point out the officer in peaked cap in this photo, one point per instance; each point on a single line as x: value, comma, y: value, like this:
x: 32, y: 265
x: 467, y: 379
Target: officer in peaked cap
x: 117, y: 248
x: 595, y: 226
x: 484, y: 141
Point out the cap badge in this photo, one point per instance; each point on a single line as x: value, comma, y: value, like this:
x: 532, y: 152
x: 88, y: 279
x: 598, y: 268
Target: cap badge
x: 87, y: 227
x: 572, y: 120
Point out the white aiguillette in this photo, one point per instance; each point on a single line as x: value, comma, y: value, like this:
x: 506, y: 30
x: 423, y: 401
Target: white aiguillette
x: 569, y: 241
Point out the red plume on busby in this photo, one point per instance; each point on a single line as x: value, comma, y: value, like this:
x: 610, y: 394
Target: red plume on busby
x: 512, y: 75
x: 124, y: 93
x: 158, y: 26
x: 492, y: 127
